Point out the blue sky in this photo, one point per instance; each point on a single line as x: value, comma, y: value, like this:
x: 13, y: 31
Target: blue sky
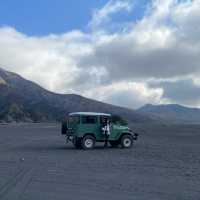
x: 41, y: 17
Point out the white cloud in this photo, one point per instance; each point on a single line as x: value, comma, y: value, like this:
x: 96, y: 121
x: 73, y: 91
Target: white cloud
x: 181, y: 91
x: 103, y: 15
x: 50, y: 60
x: 186, y: 16
x: 126, y: 93
x: 114, y: 67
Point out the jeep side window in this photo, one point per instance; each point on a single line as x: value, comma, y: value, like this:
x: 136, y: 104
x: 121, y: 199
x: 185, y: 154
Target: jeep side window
x: 74, y: 120
x: 89, y: 119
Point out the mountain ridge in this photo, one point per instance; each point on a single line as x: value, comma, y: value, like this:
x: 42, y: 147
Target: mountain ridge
x: 22, y: 100
x: 172, y: 112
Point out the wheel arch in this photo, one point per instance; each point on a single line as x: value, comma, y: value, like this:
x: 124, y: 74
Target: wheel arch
x: 124, y: 133
x: 91, y: 134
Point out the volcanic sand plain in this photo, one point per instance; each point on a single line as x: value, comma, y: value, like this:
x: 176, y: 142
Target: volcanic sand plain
x: 35, y: 163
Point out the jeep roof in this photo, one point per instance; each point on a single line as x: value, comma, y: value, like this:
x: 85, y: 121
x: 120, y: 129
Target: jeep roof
x: 89, y: 113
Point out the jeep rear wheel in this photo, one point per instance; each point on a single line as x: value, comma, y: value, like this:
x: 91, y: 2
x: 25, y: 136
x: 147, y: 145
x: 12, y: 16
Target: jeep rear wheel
x: 126, y: 141
x: 88, y: 142
x: 114, y: 143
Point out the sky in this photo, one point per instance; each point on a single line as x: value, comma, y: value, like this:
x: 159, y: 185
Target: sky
x: 125, y: 52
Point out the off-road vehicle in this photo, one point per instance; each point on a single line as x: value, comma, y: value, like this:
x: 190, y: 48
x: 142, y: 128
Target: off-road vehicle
x: 84, y: 129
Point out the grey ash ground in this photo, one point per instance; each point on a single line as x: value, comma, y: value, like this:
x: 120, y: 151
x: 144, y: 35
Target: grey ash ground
x: 35, y: 163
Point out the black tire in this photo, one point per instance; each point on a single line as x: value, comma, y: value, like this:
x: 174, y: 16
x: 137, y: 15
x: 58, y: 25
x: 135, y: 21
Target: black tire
x: 114, y: 143
x: 126, y: 141
x: 77, y: 143
x: 88, y: 142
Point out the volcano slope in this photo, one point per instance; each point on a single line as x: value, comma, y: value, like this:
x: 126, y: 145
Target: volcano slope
x: 35, y: 163
x: 24, y: 101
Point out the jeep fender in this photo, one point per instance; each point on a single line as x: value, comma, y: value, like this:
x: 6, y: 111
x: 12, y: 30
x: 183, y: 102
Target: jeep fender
x: 91, y: 134
x: 125, y: 133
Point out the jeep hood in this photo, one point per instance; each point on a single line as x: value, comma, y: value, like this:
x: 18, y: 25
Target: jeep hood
x: 120, y: 127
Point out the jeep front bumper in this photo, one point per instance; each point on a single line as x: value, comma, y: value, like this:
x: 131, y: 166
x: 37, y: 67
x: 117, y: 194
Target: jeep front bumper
x: 135, y: 136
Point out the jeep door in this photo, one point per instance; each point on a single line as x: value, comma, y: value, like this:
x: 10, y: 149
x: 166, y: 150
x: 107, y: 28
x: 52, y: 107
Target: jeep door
x: 89, y: 124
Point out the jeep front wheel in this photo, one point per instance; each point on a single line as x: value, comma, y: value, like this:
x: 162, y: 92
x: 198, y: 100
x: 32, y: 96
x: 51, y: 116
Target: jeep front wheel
x: 88, y: 142
x: 126, y: 141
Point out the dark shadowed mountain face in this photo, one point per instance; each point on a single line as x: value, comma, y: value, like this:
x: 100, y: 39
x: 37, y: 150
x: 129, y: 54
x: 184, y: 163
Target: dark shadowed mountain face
x: 172, y: 112
x: 23, y: 100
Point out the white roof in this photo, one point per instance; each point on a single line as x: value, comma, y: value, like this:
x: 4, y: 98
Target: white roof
x: 89, y: 113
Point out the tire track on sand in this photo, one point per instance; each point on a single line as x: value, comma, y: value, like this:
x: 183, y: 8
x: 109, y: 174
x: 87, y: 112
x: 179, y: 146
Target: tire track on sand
x: 12, y: 182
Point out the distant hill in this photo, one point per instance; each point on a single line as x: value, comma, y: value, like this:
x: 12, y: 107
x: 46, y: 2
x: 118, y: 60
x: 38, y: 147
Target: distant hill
x: 24, y: 101
x: 172, y: 112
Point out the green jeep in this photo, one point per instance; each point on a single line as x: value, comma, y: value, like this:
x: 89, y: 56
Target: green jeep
x: 83, y: 129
